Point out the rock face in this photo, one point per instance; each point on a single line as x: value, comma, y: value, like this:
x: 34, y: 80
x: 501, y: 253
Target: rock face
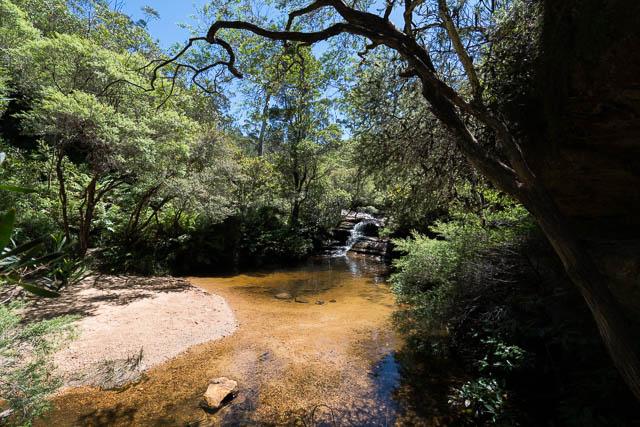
x: 588, y: 149
x: 375, y: 246
x: 219, y: 391
x: 357, y: 234
x: 587, y: 152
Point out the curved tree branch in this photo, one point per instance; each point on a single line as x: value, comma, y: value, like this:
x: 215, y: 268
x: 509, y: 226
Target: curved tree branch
x: 464, y: 57
x: 319, y: 4
x: 515, y: 178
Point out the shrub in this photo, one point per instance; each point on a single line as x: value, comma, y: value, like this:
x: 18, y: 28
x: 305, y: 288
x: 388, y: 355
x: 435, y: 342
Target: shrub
x: 441, y: 280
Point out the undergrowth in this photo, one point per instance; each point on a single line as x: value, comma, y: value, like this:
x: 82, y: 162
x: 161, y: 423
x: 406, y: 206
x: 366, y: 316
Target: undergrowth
x: 26, y: 374
x: 487, y: 302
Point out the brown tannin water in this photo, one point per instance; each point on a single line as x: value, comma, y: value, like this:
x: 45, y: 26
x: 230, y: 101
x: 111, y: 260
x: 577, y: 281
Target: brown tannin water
x: 325, y: 360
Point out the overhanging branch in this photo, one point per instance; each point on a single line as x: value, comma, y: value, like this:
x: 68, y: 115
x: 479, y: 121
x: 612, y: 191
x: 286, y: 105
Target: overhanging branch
x: 443, y: 98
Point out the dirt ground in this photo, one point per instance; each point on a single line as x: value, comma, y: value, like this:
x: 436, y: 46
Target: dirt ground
x: 120, y: 317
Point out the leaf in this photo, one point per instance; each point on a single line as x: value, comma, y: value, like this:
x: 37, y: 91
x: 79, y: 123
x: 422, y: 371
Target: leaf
x: 6, y: 227
x: 16, y: 189
x: 24, y: 247
x: 37, y: 290
x: 40, y: 261
x: 31, y: 288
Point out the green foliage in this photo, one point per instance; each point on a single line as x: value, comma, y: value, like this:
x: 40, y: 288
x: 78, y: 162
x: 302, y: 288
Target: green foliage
x: 26, y: 379
x: 401, y: 147
x: 484, y: 298
x: 15, y: 28
x: 445, y: 259
x: 435, y: 278
x: 31, y: 265
x: 483, y: 397
x: 147, y: 175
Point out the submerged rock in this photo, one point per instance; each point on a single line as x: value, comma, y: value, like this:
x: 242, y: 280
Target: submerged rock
x: 283, y: 295
x: 219, y: 391
x: 302, y: 300
x: 332, y: 300
x: 319, y: 302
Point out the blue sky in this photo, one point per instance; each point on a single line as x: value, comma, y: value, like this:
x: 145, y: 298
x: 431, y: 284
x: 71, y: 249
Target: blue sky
x: 171, y: 13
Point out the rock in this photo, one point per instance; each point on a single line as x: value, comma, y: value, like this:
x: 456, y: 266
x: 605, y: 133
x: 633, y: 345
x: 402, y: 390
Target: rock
x: 283, y: 295
x: 372, y: 246
x: 220, y: 390
x: 6, y: 414
x: 302, y: 300
x: 332, y: 300
x: 319, y: 302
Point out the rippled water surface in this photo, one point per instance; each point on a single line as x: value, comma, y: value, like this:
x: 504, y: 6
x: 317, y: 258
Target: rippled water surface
x: 325, y: 360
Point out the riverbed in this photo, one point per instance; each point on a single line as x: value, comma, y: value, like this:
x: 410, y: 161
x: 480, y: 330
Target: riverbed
x: 314, y: 346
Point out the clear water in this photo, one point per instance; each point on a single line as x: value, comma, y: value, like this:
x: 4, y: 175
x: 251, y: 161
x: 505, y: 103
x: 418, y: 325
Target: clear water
x: 327, y: 361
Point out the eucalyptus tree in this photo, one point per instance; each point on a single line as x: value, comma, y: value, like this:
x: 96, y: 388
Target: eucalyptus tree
x: 302, y: 134
x: 435, y: 40
x: 400, y: 143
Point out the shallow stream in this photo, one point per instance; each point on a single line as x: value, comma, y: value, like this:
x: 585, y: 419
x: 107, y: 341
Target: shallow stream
x: 326, y: 360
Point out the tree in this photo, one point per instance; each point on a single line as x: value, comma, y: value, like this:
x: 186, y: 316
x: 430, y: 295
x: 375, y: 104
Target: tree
x: 435, y: 37
x: 301, y: 134
x: 106, y: 130
x: 401, y: 145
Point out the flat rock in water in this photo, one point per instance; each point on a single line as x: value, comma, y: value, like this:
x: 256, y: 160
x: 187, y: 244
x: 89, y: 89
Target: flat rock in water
x: 319, y: 302
x: 332, y: 300
x: 302, y: 300
x: 283, y: 295
x: 219, y: 390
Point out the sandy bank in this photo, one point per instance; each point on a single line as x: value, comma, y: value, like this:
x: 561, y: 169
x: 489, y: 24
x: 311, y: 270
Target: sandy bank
x: 163, y: 316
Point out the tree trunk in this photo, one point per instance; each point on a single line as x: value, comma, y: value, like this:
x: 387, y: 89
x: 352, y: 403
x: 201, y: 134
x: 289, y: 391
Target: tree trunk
x: 63, y: 195
x: 263, y: 127
x: 294, y: 219
x: 593, y: 287
x: 131, y: 230
x: 86, y: 217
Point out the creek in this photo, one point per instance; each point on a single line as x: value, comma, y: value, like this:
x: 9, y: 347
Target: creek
x: 325, y: 360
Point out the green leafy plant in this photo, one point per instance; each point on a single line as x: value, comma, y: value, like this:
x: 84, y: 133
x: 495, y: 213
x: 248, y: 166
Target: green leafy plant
x: 483, y: 397
x: 31, y: 265
x: 26, y: 379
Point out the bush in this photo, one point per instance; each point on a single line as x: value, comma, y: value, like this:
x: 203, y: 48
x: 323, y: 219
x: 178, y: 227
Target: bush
x: 437, y: 278
x: 487, y: 295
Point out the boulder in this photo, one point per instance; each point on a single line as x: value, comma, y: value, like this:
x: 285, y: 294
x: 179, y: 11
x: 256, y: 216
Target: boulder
x: 372, y: 246
x: 219, y: 391
x: 283, y: 295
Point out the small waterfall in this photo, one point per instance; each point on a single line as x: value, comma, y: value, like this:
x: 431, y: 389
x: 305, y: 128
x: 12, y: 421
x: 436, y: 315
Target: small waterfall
x: 356, y: 234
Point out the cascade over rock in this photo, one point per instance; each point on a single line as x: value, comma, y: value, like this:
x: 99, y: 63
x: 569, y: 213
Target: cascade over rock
x: 357, y: 234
